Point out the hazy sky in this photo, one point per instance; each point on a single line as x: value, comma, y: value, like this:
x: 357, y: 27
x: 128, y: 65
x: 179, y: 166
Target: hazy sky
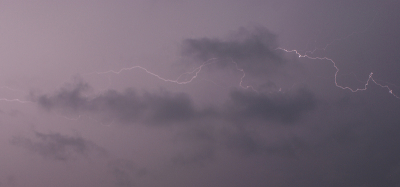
x: 223, y: 93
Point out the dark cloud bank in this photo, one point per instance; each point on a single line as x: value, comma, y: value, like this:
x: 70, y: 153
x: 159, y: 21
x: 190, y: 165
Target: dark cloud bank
x: 252, y: 49
x: 282, y: 107
x: 127, y: 107
x: 257, y: 44
x: 164, y: 108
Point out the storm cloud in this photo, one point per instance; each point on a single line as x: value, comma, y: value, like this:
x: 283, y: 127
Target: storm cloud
x: 168, y: 108
x: 282, y: 107
x: 126, y: 107
x: 252, y: 49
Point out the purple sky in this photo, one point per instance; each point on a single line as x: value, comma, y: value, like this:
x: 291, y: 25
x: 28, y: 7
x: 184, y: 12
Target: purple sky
x: 206, y: 93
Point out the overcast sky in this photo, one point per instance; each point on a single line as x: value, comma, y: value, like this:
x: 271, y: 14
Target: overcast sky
x: 223, y: 93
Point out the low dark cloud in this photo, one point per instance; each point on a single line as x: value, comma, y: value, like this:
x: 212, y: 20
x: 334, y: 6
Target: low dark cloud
x: 126, y: 107
x: 57, y: 146
x: 253, y: 49
x: 279, y: 106
x: 255, y: 44
x: 163, y: 108
x: 71, y: 97
x: 150, y: 108
x: 356, y: 145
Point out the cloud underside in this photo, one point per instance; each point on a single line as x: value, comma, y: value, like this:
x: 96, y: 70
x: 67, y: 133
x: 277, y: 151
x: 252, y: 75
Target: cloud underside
x: 282, y: 107
x: 163, y: 108
x: 126, y: 107
x: 253, y: 50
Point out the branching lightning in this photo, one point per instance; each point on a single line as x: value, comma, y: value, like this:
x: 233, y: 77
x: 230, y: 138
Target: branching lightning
x: 241, y: 79
x: 337, y: 71
x: 370, y: 78
x: 178, y: 80
x: 197, y: 70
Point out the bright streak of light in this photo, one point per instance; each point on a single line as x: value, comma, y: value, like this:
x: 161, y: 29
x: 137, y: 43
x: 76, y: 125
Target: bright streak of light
x: 241, y: 79
x: 337, y: 71
x: 196, y: 71
x: 15, y: 100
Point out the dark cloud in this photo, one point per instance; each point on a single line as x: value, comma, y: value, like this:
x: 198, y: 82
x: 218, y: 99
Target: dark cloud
x: 70, y: 96
x: 162, y: 108
x: 167, y: 107
x: 376, y: 158
x: 252, y: 49
x: 356, y: 145
x: 279, y: 106
x: 57, y: 146
x: 126, y: 107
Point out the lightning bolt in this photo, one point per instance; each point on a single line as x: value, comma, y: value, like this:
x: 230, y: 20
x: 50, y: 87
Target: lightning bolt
x: 13, y: 100
x: 370, y: 78
x: 241, y: 79
x: 196, y: 71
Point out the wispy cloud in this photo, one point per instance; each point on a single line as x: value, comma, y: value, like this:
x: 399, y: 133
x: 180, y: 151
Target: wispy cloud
x: 57, y: 146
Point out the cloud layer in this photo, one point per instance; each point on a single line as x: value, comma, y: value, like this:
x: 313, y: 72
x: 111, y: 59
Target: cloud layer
x: 168, y: 108
x: 126, y: 107
x: 279, y: 106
